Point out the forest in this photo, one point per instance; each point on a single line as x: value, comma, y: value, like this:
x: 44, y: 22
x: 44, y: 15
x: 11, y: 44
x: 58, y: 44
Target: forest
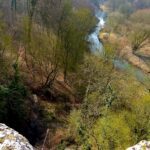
x: 75, y: 74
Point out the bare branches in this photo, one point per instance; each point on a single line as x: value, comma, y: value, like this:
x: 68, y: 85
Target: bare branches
x: 139, y: 39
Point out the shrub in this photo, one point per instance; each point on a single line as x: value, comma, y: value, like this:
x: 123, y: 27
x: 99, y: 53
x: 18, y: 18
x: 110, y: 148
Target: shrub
x: 13, y: 108
x: 139, y: 119
x: 112, y: 132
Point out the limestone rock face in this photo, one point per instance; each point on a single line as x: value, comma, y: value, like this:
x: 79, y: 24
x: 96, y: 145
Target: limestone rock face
x: 12, y: 140
x: 143, y: 145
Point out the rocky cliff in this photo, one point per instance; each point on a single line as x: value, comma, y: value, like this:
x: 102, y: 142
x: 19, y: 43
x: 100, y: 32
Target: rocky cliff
x: 143, y: 145
x: 12, y: 140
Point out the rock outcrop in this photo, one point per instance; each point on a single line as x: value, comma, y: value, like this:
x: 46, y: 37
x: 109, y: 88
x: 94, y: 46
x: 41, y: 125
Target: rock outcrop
x: 12, y: 140
x: 143, y: 145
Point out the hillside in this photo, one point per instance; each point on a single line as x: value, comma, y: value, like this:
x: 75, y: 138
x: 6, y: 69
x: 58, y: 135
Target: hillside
x: 74, y: 74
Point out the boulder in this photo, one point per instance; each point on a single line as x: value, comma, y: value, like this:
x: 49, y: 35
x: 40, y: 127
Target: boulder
x: 12, y: 140
x: 143, y: 145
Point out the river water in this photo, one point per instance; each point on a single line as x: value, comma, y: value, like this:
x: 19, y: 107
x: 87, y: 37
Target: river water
x: 97, y: 48
x: 95, y: 44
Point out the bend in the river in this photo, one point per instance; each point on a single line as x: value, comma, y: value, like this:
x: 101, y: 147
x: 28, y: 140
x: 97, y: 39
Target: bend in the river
x: 96, y: 47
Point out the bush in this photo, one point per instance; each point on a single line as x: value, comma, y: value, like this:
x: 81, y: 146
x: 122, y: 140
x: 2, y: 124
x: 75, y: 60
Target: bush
x: 112, y: 132
x: 13, y: 108
x: 139, y: 119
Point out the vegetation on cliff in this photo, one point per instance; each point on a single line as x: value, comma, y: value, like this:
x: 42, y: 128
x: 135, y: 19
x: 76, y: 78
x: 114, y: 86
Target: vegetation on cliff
x: 59, y: 94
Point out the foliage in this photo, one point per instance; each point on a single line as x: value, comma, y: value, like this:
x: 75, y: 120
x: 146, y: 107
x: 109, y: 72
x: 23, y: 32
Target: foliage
x: 128, y: 6
x: 53, y: 48
x: 139, y: 37
x: 49, y: 39
x: 72, y: 33
x: 141, y: 16
x: 114, y: 21
x: 138, y: 120
x: 43, y: 57
x: 104, y: 120
x: 5, y: 49
x: 75, y: 122
x: 61, y: 146
x: 112, y: 132
x: 12, y: 102
x: 77, y: 130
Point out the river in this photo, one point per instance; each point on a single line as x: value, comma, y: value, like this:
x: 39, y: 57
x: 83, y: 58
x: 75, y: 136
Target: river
x: 97, y: 48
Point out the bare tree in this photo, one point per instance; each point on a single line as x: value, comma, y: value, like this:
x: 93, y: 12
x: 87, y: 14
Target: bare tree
x: 139, y: 39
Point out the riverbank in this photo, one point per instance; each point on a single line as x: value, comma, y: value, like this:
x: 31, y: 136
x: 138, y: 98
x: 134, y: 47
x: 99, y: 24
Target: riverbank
x: 120, y: 30
x: 124, y: 50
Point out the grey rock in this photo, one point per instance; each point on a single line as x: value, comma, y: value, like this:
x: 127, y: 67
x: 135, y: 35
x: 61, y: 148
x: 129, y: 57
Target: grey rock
x: 143, y: 145
x: 12, y: 140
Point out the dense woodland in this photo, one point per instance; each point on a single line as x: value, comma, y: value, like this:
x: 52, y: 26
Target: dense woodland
x: 55, y: 91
